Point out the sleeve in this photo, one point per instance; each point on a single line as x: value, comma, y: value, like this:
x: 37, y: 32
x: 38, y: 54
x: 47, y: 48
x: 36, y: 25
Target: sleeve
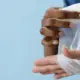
x: 69, y: 2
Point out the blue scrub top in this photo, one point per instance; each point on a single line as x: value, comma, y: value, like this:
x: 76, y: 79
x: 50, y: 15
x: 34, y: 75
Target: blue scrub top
x: 70, y: 2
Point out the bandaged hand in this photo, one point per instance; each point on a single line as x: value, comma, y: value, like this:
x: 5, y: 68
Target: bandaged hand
x: 48, y: 65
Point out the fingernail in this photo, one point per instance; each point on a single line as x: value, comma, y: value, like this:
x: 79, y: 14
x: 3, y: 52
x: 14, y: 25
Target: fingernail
x: 55, y: 78
x: 37, y: 61
x: 35, y: 70
x: 63, y: 46
x: 55, y: 42
x: 61, y: 33
x: 72, y: 25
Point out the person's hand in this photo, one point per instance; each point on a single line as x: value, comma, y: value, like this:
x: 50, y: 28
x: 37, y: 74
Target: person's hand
x: 52, y: 13
x: 73, y: 54
x: 48, y: 65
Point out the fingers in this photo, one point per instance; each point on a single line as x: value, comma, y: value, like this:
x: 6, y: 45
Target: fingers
x: 72, y: 25
x: 73, y: 54
x: 61, y: 75
x: 53, y: 22
x: 61, y: 33
x: 52, y: 72
x: 58, y: 23
x: 53, y: 13
x: 62, y: 14
x: 45, y: 73
x: 52, y: 32
x: 66, y: 52
x: 48, y: 32
x: 48, y: 68
x: 46, y: 61
x: 55, y: 17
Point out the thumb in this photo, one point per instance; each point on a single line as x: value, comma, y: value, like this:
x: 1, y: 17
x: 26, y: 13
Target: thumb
x: 67, y: 52
x: 73, y: 54
x: 72, y: 25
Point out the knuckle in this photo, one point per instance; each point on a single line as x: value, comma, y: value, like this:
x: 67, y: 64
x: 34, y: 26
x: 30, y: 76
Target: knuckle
x: 49, y: 9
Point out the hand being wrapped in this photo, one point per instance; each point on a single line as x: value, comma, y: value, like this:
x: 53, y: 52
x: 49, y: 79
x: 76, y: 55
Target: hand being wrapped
x: 52, y: 21
x: 48, y: 65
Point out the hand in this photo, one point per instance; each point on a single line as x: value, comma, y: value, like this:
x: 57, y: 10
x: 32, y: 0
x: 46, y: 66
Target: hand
x: 61, y: 75
x: 73, y: 54
x: 48, y: 65
x: 51, y: 13
x: 54, y: 13
x: 45, y: 31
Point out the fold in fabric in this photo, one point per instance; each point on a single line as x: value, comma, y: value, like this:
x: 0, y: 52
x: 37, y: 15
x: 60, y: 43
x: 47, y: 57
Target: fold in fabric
x: 71, y: 66
x: 71, y: 39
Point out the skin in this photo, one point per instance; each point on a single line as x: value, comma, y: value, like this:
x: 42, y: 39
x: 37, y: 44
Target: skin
x: 73, y: 54
x: 48, y: 65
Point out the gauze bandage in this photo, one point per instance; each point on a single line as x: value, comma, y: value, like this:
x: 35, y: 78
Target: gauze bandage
x: 71, y: 66
x: 71, y: 40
